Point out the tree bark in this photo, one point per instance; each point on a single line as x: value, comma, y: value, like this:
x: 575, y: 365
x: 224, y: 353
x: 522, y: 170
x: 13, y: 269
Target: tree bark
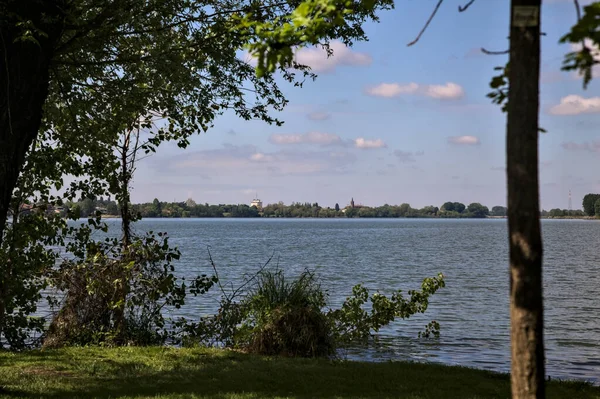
x: 525, y: 241
x: 24, y: 83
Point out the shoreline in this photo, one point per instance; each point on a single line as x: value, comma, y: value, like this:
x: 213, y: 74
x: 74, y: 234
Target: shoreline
x: 351, y: 218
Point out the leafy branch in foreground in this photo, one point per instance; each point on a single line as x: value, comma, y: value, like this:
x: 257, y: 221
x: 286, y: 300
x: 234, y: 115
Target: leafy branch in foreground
x: 353, y: 324
x: 586, y: 34
x: 311, y: 22
x: 279, y: 315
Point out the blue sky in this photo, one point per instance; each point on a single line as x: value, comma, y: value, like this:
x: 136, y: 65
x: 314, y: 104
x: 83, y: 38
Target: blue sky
x: 387, y: 123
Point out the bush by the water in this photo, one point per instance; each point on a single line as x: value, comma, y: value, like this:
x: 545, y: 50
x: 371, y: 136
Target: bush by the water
x: 116, y: 295
x: 284, y: 316
x: 287, y: 316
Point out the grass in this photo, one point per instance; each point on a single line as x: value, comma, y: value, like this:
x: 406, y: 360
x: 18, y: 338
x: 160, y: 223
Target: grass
x: 201, y: 373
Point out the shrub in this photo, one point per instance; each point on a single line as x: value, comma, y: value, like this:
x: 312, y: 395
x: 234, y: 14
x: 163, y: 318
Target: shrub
x: 279, y: 315
x: 283, y: 316
x: 115, y: 296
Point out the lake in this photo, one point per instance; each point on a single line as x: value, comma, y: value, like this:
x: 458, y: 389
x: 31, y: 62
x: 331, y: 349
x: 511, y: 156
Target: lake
x: 390, y: 254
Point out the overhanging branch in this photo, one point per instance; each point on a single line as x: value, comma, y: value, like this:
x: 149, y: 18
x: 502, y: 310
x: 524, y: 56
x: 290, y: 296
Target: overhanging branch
x: 466, y: 6
x: 435, y: 10
x: 489, y: 52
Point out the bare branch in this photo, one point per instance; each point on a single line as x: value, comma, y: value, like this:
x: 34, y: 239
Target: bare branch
x: 254, y: 276
x: 466, y: 6
x: 488, y: 52
x: 577, y: 9
x: 212, y: 263
x: 435, y: 10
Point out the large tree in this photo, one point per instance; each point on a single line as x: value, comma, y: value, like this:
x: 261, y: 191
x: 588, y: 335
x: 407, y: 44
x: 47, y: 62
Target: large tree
x: 525, y: 239
x: 30, y: 32
x: 81, y: 72
x: 78, y: 75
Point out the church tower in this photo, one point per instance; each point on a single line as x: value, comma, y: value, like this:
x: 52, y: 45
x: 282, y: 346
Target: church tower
x: 352, y: 203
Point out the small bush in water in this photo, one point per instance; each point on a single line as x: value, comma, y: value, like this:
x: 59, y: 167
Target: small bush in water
x: 284, y: 316
x: 287, y: 316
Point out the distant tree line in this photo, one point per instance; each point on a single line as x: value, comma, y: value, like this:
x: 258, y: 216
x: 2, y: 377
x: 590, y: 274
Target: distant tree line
x: 189, y: 209
x: 562, y: 213
x: 313, y: 210
x: 89, y: 206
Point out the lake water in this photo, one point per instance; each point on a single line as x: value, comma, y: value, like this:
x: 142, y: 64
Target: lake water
x: 390, y: 254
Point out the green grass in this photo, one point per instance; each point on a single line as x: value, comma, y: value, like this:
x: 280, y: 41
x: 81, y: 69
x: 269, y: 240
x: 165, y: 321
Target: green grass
x: 201, y: 373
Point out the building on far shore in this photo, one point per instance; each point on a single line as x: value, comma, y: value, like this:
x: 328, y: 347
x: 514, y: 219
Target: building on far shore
x: 256, y: 203
x: 352, y: 206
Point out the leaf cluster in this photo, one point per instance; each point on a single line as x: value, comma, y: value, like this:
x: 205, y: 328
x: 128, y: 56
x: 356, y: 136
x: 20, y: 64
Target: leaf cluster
x: 586, y: 30
x: 353, y: 324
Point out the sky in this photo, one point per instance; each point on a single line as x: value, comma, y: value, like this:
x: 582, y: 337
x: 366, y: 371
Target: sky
x: 388, y: 123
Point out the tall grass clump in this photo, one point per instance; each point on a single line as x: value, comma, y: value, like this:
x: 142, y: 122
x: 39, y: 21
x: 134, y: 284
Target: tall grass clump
x: 284, y: 316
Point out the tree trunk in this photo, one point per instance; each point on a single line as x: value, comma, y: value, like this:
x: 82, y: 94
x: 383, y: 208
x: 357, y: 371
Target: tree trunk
x: 525, y: 241
x: 127, y: 165
x: 24, y: 82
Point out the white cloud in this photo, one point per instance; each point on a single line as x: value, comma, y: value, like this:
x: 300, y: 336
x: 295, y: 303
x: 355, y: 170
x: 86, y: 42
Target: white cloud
x: 448, y: 91
x: 306, y: 138
x: 235, y: 161
x: 575, y: 105
x: 365, y: 144
x: 391, y: 89
x: 317, y: 59
x: 464, y: 140
x: 318, y: 116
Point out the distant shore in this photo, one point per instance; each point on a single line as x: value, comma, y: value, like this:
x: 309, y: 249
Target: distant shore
x: 343, y: 217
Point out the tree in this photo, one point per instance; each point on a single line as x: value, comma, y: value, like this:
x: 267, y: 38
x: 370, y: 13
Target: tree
x: 459, y: 207
x: 556, y: 212
x: 525, y: 240
x: 448, y: 206
x: 25, y: 64
x: 88, y: 207
x: 337, y: 207
x: 156, y: 207
x: 597, y: 208
x: 429, y: 210
x: 477, y: 210
x: 112, y: 208
x: 178, y: 59
x: 589, y: 203
x: 498, y: 211
x: 404, y: 210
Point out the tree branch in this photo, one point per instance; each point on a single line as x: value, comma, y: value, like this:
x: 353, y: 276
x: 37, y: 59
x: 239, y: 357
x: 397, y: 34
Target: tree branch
x: 435, y: 10
x: 466, y: 6
x: 488, y: 52
x: 577, y: 9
